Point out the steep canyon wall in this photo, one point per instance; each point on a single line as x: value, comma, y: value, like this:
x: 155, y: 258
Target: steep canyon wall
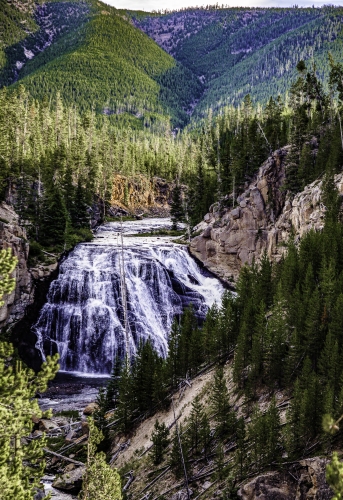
x: 262, y: 219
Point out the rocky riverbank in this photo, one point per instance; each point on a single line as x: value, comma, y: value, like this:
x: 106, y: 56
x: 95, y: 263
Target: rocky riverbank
x: 72, y: 400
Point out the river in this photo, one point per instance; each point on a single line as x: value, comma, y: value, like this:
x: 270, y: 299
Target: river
x: 84, y: 319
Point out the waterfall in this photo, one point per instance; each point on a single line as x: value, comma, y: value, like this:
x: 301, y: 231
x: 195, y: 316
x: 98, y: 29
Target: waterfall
x: 83, y: 318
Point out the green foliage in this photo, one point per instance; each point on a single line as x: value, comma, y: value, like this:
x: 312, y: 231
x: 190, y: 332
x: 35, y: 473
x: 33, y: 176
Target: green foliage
x: 198, y: 431
x: 239, y: 51
x: 160, y: 440
x: 139, y: 81
x: 21, y: 463
x: 177, y: 459
x: 264, y: 432
x: 334, y: 476
x: 220, y: 404
x: 100, y: 481
x: 7, y: 265
x: 14, y: 24
x: 68, y: 413
x: 177, y: 212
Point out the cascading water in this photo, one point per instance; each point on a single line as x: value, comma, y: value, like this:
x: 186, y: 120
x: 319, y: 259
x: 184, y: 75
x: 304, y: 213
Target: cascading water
x: 83, y: 319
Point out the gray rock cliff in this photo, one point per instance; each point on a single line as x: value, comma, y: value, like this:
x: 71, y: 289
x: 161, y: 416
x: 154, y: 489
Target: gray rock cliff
x: 261, y: 221
x: 13, y: 235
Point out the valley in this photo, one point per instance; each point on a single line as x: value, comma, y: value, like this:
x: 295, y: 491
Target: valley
x: 171, y: 280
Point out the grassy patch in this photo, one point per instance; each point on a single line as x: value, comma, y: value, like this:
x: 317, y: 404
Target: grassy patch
x: 126, y: 218
x: 161, y: 232
x: 54, y: 443
x: 67, y: 413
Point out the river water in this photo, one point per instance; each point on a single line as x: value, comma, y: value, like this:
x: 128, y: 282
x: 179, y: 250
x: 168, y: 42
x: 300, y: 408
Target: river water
x: 84, y: 319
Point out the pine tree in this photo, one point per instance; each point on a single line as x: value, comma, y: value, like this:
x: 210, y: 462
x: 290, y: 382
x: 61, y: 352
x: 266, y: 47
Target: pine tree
x: 241, y: 451
x: 80, y: 215
x: 176, y: 459
x: 55, y: 219
x: 173, y: 368
x: 7, y: 266
x: 126, y: 398
x: 177, y: 211
x: 220, y: 405
x: 112, y: 387
x: 160, y: 440
x: 21, y: 463
x: 198, y: 434
x: 101, y: 481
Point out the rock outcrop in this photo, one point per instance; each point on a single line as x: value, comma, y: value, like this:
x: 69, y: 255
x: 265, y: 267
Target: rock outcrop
x: 13, y: 235
x: 140, y: 194
x: 261, y: 221
x: 71, y: 480
x: 304, y: 480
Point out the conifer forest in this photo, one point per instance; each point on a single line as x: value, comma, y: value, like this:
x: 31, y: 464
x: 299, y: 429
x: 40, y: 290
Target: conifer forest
x: 171, y: 271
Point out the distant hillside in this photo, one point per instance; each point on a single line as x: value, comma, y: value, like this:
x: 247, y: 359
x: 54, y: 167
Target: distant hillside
x: 96, y: 58
x: 239, y: 51
x: 107, y: 59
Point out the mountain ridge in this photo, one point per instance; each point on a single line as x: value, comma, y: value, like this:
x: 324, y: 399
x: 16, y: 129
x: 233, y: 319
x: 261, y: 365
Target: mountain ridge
x: 179, y: 64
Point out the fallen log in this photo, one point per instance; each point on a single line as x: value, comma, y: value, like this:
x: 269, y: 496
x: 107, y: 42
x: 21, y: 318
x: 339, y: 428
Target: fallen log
x: 130, y: 480
x: 62, y: 457
x: 51, y: 254
x: 155, y: 480
x: 122, y: 447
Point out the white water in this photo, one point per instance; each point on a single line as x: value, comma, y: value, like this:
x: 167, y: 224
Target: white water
x: 83, y: 318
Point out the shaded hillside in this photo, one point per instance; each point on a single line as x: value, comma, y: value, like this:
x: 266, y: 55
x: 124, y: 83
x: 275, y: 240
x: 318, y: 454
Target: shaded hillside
x: 95, y: 57
x: 239, y: 51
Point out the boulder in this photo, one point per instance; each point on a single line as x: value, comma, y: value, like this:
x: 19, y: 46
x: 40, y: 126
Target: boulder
x: 46, y: 425
x: 70, y: 436
x: 236, y: 213
x: 71, y: 480
x: 304, y: 480
x: 85, y: 428
x: 90, y: 409
x: 207, y: 232
x: 69, y: 467
x: 37, y: 434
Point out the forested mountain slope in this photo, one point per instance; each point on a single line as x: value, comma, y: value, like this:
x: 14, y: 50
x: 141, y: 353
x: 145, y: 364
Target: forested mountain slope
x: 96, y: 58
x: 238, y: 51
x: 100, y: 57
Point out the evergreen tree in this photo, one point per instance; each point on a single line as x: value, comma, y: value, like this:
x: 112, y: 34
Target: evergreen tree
x: 177, y: 212
x: 198, y: 434
x: 160, y: 440
x: 55, y: 220
x: 241, y: 450
x: 220, y: 405
x: 21, y: 462
x: 176, y: 459
x: 126, y: 399
x: 101, y: 481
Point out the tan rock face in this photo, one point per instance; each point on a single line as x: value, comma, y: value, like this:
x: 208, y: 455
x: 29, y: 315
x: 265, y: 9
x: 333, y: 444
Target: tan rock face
x: 260, y: 222
x: 305, y: 480
x: 46, y: 425
x: 142, y: 194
